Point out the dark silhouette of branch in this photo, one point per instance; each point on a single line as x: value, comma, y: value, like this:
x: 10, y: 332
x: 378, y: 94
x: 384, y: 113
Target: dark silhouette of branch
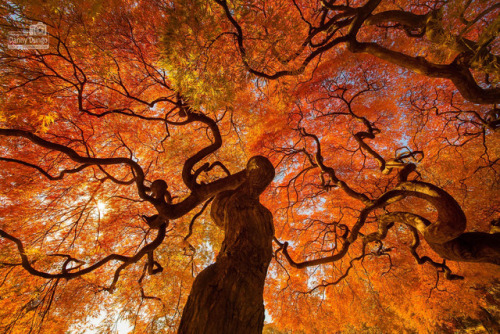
x: 69, y: 273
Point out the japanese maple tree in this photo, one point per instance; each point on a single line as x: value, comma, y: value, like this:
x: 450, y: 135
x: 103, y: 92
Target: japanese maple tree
x: 174, y: 165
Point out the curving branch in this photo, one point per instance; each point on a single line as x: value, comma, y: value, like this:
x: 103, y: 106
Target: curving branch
x: 341, y: 24
x: 446, y: 235
x: 318, y: 161
x: 460, y: 75
x: 73, y: 155
x: 310, y: 263
x: 67, y: 274
x: 188, y: 176
x: 425, y: 259
x: 451, y: 221
x: 166, y: 210
x: 45, y: 173
x: 321, y: 48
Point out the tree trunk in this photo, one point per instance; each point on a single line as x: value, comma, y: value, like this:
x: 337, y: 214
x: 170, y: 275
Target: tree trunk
x: 227, y: 297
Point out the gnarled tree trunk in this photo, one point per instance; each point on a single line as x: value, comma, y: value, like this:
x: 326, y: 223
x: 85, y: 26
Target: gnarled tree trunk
x: 227, y: 297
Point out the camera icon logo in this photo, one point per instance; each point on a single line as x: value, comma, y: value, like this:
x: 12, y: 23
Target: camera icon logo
x: 38, y: 29
x: 34, y: 38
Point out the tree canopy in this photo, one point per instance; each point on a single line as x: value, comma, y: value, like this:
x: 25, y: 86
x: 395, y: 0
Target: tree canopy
x: 126, y: 155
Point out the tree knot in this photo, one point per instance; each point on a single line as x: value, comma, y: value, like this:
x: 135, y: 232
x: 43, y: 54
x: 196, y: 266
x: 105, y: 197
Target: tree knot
x: 260, y: 173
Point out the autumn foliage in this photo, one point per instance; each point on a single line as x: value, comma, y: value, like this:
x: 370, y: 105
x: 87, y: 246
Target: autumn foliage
x: 380, y: 118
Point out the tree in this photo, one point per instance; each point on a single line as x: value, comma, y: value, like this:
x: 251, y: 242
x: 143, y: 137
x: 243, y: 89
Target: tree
x: 143, y: 118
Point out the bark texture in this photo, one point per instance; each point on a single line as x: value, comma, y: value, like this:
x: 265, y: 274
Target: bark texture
x: 227, y: 297
x: 446, y: 236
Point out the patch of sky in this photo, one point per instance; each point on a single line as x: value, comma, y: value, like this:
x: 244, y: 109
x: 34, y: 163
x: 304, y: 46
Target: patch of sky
x: 321, y: 205
x: 92, y: 324
x: 206, y: 251
x: 315, y: 275
x: 258, y: 85
x: 317, y: 204
x: 206, y: 247
x: 280, y: 175
x: 157, y: 111
x: 14, y: 12
x: 4, y: 200
x: 404, y: 140
x: 267, y: 317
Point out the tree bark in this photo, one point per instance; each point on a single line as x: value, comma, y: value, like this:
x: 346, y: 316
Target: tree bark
x: 471, y: 247
x: 227, y: 297
x: 446, y: 235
